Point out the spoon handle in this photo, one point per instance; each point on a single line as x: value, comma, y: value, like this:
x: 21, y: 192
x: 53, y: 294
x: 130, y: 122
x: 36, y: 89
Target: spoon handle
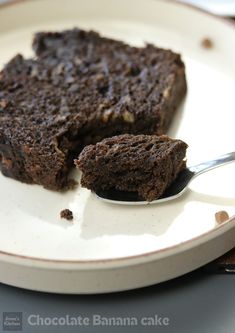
x: 209, y: 165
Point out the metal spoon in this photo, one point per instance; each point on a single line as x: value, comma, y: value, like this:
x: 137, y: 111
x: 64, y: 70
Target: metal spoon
x: 174, y: 191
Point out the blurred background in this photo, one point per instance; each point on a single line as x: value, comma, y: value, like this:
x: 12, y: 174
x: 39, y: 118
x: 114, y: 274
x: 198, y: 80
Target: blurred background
x: 218, y: 7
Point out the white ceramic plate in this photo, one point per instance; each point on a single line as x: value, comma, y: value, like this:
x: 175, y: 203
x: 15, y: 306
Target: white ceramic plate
x: 107, y: 247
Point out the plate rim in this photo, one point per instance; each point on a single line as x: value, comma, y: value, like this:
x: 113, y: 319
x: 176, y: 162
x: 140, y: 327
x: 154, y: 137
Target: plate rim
x: 209, y: 235
x: 222, y: 19
x: 146, y: 256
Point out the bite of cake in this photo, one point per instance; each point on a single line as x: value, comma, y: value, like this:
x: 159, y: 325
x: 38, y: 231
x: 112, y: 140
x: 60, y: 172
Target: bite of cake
x: 146, y: 164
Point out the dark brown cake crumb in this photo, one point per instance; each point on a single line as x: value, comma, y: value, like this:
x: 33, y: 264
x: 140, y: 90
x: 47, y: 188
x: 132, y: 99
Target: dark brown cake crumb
x: 207, y: 43
x: 66, y: 214
x: 146, y: 164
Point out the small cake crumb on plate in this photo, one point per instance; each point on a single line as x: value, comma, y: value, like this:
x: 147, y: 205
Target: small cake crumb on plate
x: 66, y: 214
x: 207, y: 43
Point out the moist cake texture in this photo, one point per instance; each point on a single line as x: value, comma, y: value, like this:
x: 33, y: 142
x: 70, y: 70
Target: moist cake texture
x: 146, y: 164
x: 77, y: 90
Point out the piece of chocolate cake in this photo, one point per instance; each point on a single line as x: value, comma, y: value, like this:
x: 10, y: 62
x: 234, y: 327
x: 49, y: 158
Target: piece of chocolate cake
x: 146, y: 164
x: 79, y: 89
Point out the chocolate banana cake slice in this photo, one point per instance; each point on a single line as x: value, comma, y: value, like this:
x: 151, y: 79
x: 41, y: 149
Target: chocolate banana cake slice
x: 79, y: 89
x: 146, y: 164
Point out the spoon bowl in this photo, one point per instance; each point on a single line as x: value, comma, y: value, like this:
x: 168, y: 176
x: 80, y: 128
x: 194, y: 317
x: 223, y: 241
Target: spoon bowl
x: 175, y: 190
